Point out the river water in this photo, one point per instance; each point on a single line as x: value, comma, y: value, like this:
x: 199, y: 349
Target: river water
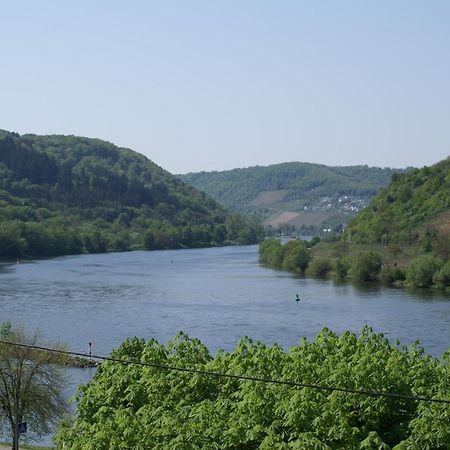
x: 217, y: 295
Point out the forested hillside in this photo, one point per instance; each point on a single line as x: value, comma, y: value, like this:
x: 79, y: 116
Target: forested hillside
x: 67, y: 194
x: 414, y: 207
x: 299, y: 194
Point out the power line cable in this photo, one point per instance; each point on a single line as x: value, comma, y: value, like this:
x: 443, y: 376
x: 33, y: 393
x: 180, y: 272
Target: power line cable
x: 234, y: 376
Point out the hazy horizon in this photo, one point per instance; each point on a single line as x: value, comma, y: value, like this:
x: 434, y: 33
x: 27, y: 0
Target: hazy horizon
x: 216, y: 86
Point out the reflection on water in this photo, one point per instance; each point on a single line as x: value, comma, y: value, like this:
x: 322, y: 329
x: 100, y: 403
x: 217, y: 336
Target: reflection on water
x: 366, y: 288
x: 217, y: 295
x: 426, y: 294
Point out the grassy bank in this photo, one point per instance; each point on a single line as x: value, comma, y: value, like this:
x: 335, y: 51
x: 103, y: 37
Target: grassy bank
x: 333, y: 250
x: 7, y: 446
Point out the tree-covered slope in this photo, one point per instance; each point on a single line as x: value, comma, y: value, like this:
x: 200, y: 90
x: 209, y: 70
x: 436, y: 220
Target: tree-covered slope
x: 294, y: 187
x: 414, y: 205
x: 67, y: 194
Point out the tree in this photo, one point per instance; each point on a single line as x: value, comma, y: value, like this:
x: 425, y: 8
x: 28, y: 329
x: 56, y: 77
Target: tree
x: 319, y: 267
x: 141, y: 407
x: 31, y: 383
x: 341, y: 267
x: 149, y: 240
x: 442, y: 277
x: 295, y: 256
x: 271, y: 252
x: 365, y: 266
x: 422, y: 269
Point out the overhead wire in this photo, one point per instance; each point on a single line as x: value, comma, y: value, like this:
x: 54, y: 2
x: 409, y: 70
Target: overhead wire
x: 295, y: 384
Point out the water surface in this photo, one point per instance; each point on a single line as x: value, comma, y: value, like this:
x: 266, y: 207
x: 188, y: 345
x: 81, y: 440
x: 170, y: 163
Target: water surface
x: 216, y: 294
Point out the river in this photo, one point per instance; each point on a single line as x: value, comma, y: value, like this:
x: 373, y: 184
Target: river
x: 217, y: 295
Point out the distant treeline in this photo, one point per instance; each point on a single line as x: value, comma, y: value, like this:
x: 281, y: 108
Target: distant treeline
x: 304, y: 183
x: 65, y: 194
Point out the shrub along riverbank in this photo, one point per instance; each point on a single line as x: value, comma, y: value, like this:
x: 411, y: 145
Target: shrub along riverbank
x: 388, y: 265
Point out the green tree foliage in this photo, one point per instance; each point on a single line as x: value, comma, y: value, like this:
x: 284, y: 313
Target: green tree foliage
x: 296, y: 256
x: 242, y: 230
x: 441, y: 278
x: 132, y: 406
x: 319, y: 266
x: 302, y: 183
x: 391, y: 275
x: 314, y: 241
x: 400, y: 211
x: 365, y: 266
x: 5, y: 330
x: 66, y: 195
x: 341, y: 267
x: 293, y: 255
x: 271, y: 252
x: 422, y: 270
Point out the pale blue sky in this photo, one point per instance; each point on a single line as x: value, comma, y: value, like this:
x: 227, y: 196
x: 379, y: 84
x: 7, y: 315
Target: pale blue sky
x: 212, y: 85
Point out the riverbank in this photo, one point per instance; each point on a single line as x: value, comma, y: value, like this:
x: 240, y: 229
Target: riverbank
x: 387, y: 265
x: 392, y: 265
x: 79, y: 362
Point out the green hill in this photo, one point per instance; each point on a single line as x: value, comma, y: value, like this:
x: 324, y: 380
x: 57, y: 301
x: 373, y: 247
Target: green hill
x: 67, y: 194
x: 414, y: 207
x: 300, y: 194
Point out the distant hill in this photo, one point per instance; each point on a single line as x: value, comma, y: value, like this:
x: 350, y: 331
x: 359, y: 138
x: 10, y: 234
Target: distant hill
x: 296, y: 194
x: 415, y: 205
x: 67, y: 194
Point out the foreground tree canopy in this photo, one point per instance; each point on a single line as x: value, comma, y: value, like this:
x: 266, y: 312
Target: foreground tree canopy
x: 140, y: 407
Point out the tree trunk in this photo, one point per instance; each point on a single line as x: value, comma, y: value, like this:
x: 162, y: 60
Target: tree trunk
x: 15, y: 444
